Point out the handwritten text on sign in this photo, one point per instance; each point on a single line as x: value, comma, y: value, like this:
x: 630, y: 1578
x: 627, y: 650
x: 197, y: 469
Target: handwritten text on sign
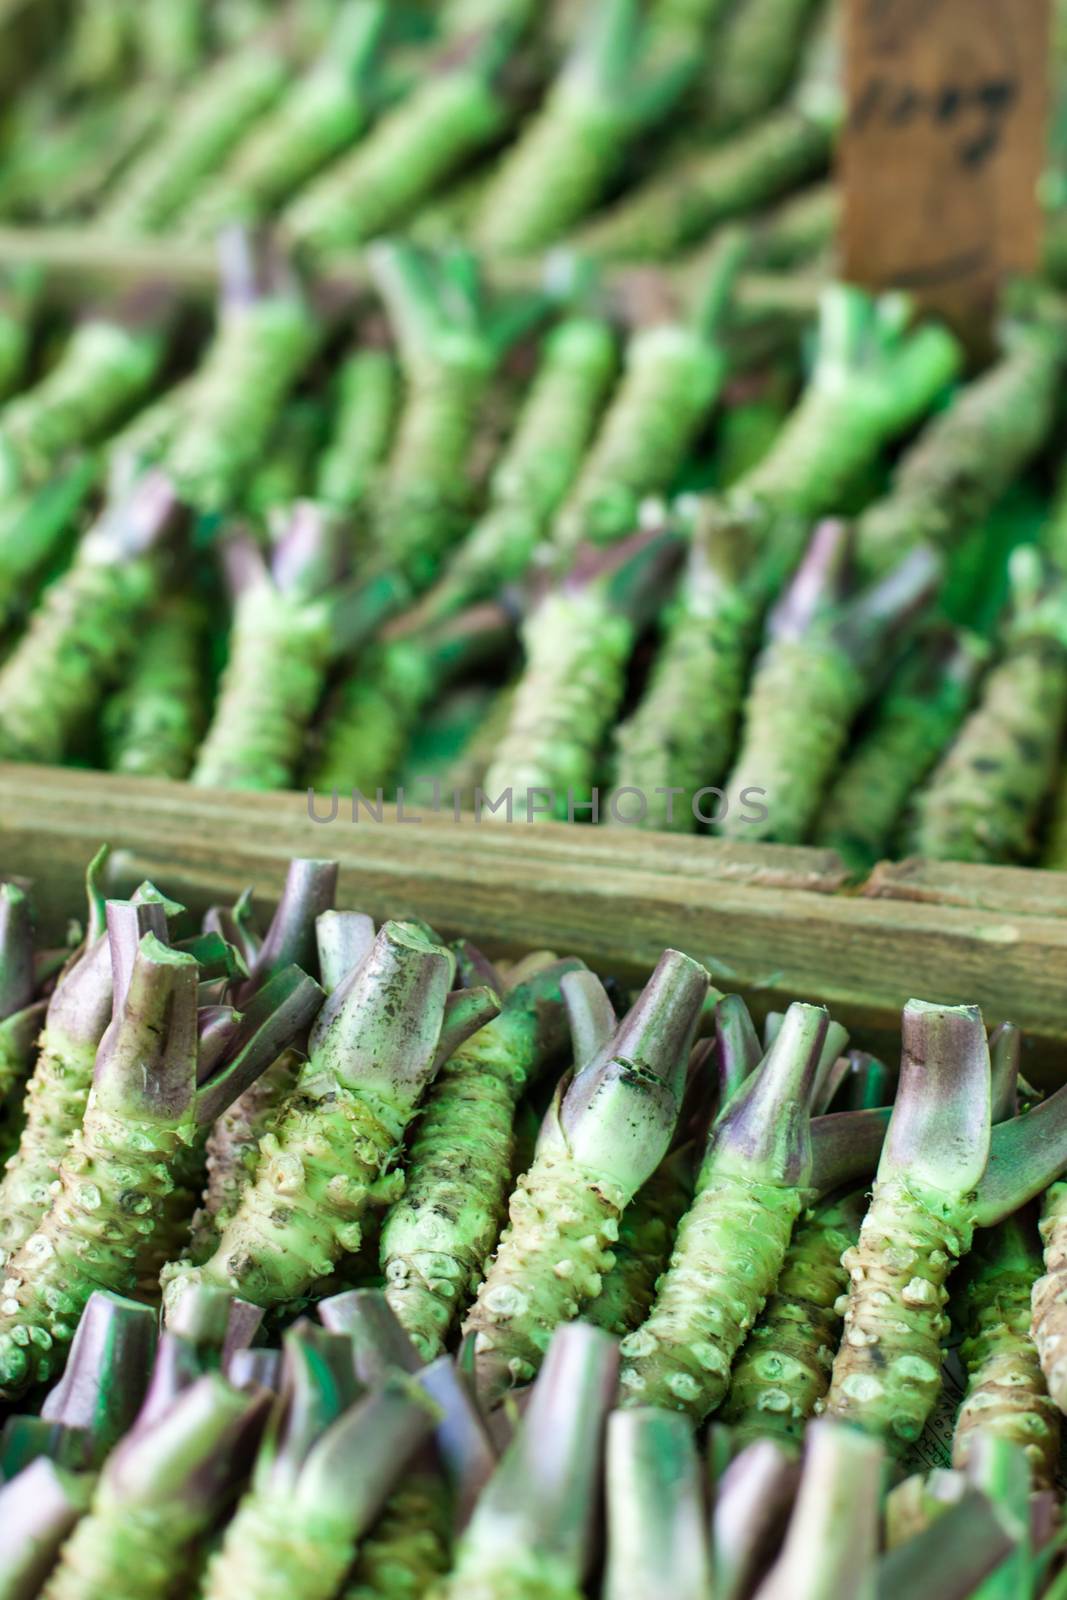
x: 944, y: 145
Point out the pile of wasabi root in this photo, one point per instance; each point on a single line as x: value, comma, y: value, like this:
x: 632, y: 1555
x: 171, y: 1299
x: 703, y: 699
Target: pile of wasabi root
x: 341, y: 1260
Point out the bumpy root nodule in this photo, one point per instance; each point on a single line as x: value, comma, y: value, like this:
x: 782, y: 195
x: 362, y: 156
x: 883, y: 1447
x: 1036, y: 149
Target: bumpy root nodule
x: 1049, y: 1301
x: 727, y: 1257
x: 887, y: 1373
x: 549, y: 1264
x: 410, y: 1546
x: 125, y: 1554
x: 276, y: 1549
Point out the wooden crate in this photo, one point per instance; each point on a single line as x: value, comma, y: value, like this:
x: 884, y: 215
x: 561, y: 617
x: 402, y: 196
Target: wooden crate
x: 775, y: 922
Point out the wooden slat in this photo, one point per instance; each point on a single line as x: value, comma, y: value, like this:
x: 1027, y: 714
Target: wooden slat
x: 767, y: 920
x: 1011, y: 889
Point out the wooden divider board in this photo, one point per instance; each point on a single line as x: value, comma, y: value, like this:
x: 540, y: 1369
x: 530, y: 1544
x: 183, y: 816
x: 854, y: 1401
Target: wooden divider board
x: 943, y: 147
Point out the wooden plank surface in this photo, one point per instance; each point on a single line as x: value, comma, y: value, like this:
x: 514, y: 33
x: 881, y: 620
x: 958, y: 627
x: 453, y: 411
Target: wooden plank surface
x: 943, y: 147
x: 769, y: 921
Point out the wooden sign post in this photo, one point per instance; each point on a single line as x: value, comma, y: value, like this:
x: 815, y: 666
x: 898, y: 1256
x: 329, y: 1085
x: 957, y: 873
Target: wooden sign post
x: 943, y: 147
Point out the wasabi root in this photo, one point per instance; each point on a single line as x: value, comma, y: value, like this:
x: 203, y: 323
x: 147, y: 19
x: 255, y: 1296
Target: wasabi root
x: 437, y: 1236
x: 152, y: 726
x: 602, y: 1138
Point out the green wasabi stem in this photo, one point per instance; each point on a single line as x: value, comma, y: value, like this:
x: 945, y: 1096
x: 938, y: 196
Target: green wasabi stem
x: 681, y: 734
x: 647, y: 1229
x: 437, y: 1237
x: 537, y: 467
x: 20, y: 1016
x: 109, y: 363
x: 604, y: 1135
x: 144, y: 440
x: 910, y: 726
x: 36, y: 526
x: 329, y: 1154
x: 1054, y: 531
x: 232, y: 1150
x: 101, y: 1391
x: 160, y: 1493
x: 756, y: 56
x: 285, y: 473
x: 325, y: 1468
x: 753, y: 1497
x: 447, y: 353
x: 1006, y: 1394
x: 374, y: 712
x: 941, y: 1175
x: 464, y: 1443
x: 951, y: 1556
x: 38, y: 1510
x: 531, y: 1535
x: 799, y: 231
x: 212, y: 1333
x: 999, y: 1468
x: 19, y: 289
x: 84, y: 628
x: 210, y: 118
x: 361, y: 428
x: 61, y: 171
x: 606, y: 95
x: 821, y: 653
x: 458, y: 109
x: 657, y: 1538
x: 318, y: 117
x: 153, y: 725
x: 983, y: 800
x: 673, y: 371
x: 754, y: 1181
x: 171, y: 37
x: 578, y: 642
x: 831, y: 1544
x: 701, y: 189
x: 74, y: 1023
x: 873, y: 379
x: 290, y: 619
x: 144, y: 1122
x: 869, y: 1084
x: 785, y: 1364
x: 951, y: 477
x: 265, y: 336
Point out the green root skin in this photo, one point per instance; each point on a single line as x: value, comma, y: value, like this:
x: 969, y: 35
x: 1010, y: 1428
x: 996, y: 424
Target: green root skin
x: 370, y: 725
x: 518, y: 1574
x: 115, y: 1184
x: 276, y: 1548
x: 318, y: 119
x: 550, y: 1262
x: 319, y: 1169
x: 887, y: 1372
x: 646, y: 1234
x: 152, y: 726
x: 362, y: 426
x: 279, y: 653
x: 553, y: 174
x: 118, y: 1553
x: 210, y: 121
x: 984, y: 799
x: 101, y: 375
x: 538, y: 466
x: 255, y: 358
x: 75, y: 644
x: 54, y: 1107
x: 727, y: 1257
x: 438, y: 1236
x: 409, y: 1548
x: 233, y: 1151
x: 803, y: 698
x: 672, y: 375
x: 968, y: 456
x: 785, y: 1365
x: 756, y: 56
x: 1006, y: 1392
x: 424, y: 503
x: 907, y: 734
x: 1049, y: 1301
x: 409, y: 153
x: 576, y: 656
x: 682, y: 732
x: 709, y: 187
